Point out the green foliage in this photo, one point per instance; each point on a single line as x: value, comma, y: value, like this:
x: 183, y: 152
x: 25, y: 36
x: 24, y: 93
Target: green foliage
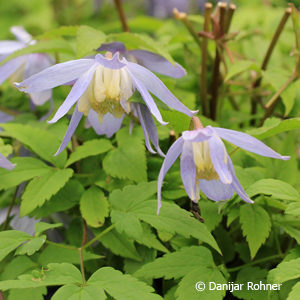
x: 256, y: 226
x: 88, y: 40
x: 41, y: 188
x: 94, y: 207
x: 129, y: 159
x: 31, y: 246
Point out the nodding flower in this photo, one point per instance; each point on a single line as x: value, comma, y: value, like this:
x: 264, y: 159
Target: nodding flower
x: 24, y: 66
x: 103, y: 85
x: 205, y: 164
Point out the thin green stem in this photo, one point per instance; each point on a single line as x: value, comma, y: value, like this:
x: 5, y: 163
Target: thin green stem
x: 80, y: 250
x: 97, y: 237
x: 62, y: 245
x: 259, y: 261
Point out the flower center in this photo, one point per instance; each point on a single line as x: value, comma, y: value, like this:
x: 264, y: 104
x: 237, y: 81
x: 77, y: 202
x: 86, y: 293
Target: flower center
x: 204, y: 165
x: 108, y: 92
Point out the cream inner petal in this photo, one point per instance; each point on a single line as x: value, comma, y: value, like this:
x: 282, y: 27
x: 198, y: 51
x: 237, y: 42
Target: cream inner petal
x: 108, y: 92
x: 204, y: 165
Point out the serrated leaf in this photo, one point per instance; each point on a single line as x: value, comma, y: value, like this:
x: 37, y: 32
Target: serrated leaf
x: 74, y: 292
x: 295, y: 292
x: 65, y: 199
x: 178, y: 264
x: 285, y: 271
x: 239, y: 67
x: 88, y: 40
x: 31, y: 246
x: 121, y: 286
x: 54, y: 254
x: 55, y: 274
x: 26, y: 168
x: 186, y: 288
x: 39, y: 141
x: 129, y: 159
x: 10, y: 240
x: 255, y: 275
x: 120, y: 245
x: 52, y: 46
x: 94, y: 207
x: 256, y: 226
x: 288, y: 97
x: 210, y: 213
x: 172, y: 219
x: 273, y: 126
x: 276, y: 188
x: 40, y: 189
x: 42, y: 226
x: 89, y: 148
x: 139, y: 41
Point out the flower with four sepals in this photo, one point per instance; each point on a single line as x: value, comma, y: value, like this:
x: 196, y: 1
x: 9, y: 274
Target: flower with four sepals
x: 103, y: 85
x: 205, y: 165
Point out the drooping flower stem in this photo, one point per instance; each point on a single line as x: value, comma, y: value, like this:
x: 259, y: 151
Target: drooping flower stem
x: 182, y: 16
x: 122, y: 15
x: 220, y: 25
x: 203, y: 76
x: 195, y: 123
x: 256, y: 99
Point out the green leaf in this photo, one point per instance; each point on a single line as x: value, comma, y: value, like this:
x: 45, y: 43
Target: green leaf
x: 276, y: 188
x: 256, y: 226
x: 5, y: 150
x: 27, y: 168
x: 59, y: 32
x: 40, y: 141
x: 186, y: 288
x: 73, y: 292
x: 40, y: 189
x: 210, y: 213
x: 129, y: 159
x: 273, y: 126
x: 52, y: 46
x: 89, y: 148
x: 55, y: 274
x: 120, y: 245
x: 139, y: 41
x: 121, y: 286
x: 288, y: 97
x: 42, y: 226
x: 88, y: 40
x: 255, y: 275
x: 54, y: 254
x: 31, y: 246
x: 27, y: 294
x: 285, y: 271
x: 178, y: 264
x: 239, y: 67
x: 295, y: 292
x: 136, y: 203
x: 293, y: 209
x: 65, y: 199
x: 10, y: 240
x: 16, y: 267
x: 94, y: 207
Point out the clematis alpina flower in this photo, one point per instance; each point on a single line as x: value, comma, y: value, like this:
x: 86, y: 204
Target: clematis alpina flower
x: 206, y: 166
x: 24, y: 66
x: 103, y: 85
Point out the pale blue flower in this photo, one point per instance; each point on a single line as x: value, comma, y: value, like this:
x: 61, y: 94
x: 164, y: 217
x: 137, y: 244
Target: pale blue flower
x: 24, y: 66
x: 102, y: 85
x: 206, y: 166
x: 5, y: 163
